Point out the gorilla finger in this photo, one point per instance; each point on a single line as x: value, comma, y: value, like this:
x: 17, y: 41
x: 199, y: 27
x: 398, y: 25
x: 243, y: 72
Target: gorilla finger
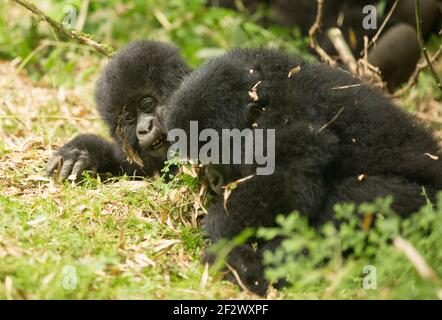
x: 53, y: 164
x: 78, y: 168
x: 66, y: 169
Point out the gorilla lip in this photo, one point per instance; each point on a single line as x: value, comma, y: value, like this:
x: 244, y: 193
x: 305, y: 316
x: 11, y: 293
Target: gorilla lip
x: 158, y: 143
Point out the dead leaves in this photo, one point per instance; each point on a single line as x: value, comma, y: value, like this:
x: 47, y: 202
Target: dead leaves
x: 294, y: 71
x: 432, y: 156
x: 253, y: 92
x: 132, y: 156
x: 7, y: 248
x: 146, y: 254
x: 165, y: 244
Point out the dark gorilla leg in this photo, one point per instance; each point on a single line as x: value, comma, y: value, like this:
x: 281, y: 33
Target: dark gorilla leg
x: 247, y: 263
x: 245, y: 259
x: 430, y: 14
x: 396, y: 54
x: 407, y: 197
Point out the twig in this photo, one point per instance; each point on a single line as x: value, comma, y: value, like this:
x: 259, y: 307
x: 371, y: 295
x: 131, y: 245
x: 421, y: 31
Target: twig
x: 348, y: 87
x: 237, y: 277
x: 231, y: 186
x: 331, y: 121
x: 368, y: 71
x: 413, y: 79
x: 132, y: 155
x: 361, y: 68
x: 422, y: 44
x: 72, y: 34
x: 415, y: 258
x: 387, y: 18
x: 418, y: 261
x: 365, y: 55
x: 313, y: 32
x: 341, y: 46
x: 204, y: 277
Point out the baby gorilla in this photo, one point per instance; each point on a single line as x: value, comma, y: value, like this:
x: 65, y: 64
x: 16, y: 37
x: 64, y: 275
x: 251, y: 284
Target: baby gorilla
x: 131, y: 90
x: 337, y: 140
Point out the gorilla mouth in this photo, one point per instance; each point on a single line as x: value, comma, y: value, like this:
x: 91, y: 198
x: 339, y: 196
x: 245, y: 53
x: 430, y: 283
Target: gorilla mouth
x: 158, y: 143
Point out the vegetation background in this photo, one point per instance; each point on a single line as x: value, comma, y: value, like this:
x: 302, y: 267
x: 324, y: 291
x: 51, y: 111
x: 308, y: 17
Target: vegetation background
x: 124, y: 239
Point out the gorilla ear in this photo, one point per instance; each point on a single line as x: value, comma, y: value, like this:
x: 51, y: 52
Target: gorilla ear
x: 252, y: 112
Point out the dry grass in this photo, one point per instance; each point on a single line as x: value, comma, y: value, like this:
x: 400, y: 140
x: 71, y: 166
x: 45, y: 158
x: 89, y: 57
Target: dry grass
x: 126, y: 239
x: 129, y: 239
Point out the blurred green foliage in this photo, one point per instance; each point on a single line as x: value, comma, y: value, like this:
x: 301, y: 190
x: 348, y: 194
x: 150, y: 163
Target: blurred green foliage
x: 199, y: 30
x: 336, y: 257
x: 77, y: 232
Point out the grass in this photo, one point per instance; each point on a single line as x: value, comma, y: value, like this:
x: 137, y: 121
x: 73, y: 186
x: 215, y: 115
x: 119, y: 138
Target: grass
x: 119, y: 239
x: 142, y: 239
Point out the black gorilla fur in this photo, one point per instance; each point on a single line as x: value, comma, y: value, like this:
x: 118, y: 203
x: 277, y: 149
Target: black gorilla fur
x: 302, y: 13
x: 327, y: 136
x: 134, y: 85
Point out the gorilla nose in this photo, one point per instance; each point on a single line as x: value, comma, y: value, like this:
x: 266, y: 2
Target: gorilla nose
x: 144, y: 126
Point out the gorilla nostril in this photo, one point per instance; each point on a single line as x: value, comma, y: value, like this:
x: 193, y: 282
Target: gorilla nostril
x: 150, y: 125
x: 145, y: 125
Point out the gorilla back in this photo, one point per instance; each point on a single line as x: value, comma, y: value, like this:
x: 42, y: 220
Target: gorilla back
x: 337, y: 140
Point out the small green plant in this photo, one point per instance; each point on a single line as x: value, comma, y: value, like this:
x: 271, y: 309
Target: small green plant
x: 334, y: 256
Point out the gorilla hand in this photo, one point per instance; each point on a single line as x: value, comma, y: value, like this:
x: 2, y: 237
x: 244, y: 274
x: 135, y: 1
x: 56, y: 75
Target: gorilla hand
x: 84, y: 152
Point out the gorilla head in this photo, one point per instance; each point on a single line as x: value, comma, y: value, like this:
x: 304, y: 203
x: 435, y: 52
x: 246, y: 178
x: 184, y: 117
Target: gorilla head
x: 131, y: 90
x: 244, y: 89
x: 129, y: 94
x: 328, y: 124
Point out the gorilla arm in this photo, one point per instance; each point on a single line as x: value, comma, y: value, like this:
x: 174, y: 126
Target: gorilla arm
x: 298, y: 183
x: 90, y: 152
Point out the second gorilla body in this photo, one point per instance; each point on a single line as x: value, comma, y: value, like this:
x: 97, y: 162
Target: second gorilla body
x: 337, y: 140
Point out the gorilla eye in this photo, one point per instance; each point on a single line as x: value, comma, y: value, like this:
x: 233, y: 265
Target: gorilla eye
x: 253, y: 111
x: 148, y: 104
x: 130, y: 117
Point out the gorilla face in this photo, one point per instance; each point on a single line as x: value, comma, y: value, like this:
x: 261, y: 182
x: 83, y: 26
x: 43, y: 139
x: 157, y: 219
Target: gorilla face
x: 130, y: 94
x: 133, y: 87
x: 245, y: 88
x: 207, y: 93
x: 149, y: 138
